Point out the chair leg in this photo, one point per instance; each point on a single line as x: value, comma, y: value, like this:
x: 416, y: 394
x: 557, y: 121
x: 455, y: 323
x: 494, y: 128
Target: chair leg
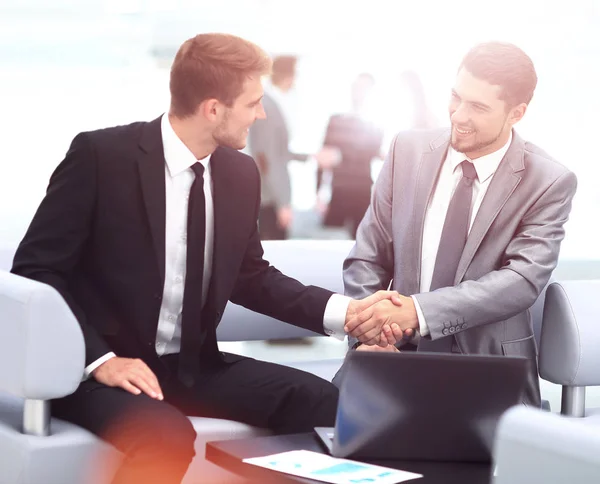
x: 36, y: 417
x: 573, y: 401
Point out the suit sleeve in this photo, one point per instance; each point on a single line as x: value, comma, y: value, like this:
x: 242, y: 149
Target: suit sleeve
x: 262, y: 288
x: 529, y: 260
x: 370, y: 265
x: 57, y: 235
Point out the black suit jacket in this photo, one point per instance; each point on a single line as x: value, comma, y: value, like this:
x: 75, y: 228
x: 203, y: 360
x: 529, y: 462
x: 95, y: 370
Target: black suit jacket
x: 98, y: 237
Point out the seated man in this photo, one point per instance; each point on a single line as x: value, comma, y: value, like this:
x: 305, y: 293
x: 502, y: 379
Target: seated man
x: 467, y: 223
x: 147, y: 230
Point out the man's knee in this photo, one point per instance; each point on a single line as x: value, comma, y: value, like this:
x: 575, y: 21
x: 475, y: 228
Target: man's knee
x: 161, y: 430
x: 329, y: 401
x: 314, y: 404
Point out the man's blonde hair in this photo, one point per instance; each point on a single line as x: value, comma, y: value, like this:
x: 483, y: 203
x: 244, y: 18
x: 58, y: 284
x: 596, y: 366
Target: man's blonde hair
x: 213, y: 66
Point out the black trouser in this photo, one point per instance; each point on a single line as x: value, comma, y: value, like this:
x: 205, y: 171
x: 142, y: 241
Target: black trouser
x: 268, y: 227
x: 157, y: 438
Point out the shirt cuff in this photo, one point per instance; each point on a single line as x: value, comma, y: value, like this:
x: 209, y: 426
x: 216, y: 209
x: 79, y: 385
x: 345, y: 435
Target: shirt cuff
x: 92, y: 366
x: 334, y: 318
x: 423, y: 328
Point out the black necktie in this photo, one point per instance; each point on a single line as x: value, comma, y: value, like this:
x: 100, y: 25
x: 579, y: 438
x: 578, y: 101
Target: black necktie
x: 191, y: 331
x: 452, y: 244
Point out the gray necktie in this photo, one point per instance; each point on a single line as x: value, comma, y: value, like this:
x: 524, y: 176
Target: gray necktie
x: 452, y: 244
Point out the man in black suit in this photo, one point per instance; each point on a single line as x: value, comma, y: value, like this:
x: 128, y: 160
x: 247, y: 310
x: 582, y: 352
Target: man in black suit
x: 147, y: 230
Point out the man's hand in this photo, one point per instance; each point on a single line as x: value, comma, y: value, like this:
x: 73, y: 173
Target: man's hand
x: 395, y: 330
x: 284, y: 217
x: 369, y: 334
x: 384, y: 322
x: 328, y: 157
x: 377, y: 348
x: 130, y: 374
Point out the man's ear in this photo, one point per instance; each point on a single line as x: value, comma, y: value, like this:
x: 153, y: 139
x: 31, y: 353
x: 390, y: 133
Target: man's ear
x: 517, y: 113
x: 210, y: 109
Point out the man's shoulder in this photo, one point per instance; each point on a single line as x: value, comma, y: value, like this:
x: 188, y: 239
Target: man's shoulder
x: 236, y: 160
x: 424, y: 139
x: 425, y: 135
x: 539, y: 160
x: 119, y: 131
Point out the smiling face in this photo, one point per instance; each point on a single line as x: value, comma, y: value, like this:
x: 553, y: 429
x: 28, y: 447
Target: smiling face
x: 232, y: 130
x: 481, y: 120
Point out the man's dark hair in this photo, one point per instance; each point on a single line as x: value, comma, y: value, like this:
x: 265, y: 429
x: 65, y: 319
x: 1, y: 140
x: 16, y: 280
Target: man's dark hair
x: 505, y: 65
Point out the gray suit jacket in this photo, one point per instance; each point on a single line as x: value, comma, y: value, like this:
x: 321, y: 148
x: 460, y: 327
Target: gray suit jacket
x: 509, y: 256
x: 270, y: 138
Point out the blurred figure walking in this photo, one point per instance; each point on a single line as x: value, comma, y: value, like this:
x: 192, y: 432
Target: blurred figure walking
x: 351, y: 142
x: 269, y: 145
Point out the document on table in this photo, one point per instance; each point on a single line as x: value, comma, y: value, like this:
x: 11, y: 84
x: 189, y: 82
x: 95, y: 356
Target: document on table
x: 321, y: 467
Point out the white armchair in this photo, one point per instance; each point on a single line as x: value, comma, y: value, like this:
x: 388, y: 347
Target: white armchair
x: 43, y: 358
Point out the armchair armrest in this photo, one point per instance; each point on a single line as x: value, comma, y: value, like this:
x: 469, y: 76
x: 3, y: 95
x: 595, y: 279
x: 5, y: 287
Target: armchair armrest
x: 536, y: 446
x: 43, y: 354
x: 570, y: 338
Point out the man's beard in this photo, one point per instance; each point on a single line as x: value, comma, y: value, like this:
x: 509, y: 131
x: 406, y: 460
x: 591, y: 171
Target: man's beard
x: 476, y: 146
x: 224, y: 137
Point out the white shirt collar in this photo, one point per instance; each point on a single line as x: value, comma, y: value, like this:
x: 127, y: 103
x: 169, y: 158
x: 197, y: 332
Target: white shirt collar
x: 485, y: 166
x: 177, y: 155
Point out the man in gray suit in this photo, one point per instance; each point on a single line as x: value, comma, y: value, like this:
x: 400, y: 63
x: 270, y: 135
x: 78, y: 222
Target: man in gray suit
x: 269, y: 145
x: 467, y: 223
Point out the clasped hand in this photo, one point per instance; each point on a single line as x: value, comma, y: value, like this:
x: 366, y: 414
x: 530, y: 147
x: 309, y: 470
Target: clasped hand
x: 382, y: 319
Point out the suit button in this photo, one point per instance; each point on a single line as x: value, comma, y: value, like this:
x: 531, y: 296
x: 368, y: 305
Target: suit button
x: 463, y: 326
x: 452, y: 329
x: 444, y: 331
x: 157, y: 296
x: 446, y: 324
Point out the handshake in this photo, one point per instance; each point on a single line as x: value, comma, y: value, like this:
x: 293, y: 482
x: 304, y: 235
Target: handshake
x: 382, y: 319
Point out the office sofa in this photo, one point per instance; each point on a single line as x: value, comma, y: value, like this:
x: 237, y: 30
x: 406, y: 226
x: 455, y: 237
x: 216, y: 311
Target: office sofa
x: 32, y: 372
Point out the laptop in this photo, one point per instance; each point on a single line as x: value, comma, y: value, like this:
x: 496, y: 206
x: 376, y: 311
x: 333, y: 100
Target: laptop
x: 423, y: 406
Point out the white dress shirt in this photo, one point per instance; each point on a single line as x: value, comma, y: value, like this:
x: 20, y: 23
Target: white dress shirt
x: 450, y: 175
x: 179, y: 177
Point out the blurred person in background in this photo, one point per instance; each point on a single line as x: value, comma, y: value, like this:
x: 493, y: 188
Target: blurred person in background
x: 269, y: 146
x: 416, y: 106
x: 405, y: 108
x: 351, y: 142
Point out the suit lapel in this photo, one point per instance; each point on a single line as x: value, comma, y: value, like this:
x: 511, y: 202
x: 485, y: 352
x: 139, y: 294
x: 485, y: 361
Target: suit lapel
x: 427, y: 175
x: 225, y: 214
x: 151, y: 166
x: 503, y: 184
